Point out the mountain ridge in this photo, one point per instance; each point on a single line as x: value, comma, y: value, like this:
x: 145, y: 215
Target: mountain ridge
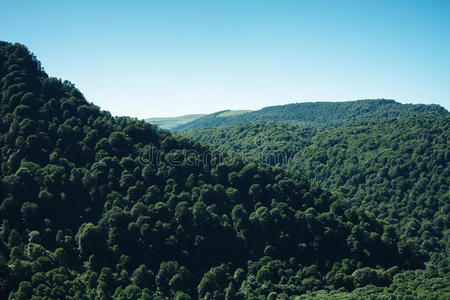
x: 319, y: 113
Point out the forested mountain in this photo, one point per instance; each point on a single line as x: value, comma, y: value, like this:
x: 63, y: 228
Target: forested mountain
x: 173, y: 122
x: 95, y: 206
x: 318, y: 113
x: 397, y: 168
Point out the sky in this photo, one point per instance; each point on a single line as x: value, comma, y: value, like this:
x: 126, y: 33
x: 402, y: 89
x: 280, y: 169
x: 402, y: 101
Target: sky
x: 173, y: 57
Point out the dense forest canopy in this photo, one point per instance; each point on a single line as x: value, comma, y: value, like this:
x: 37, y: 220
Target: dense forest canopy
x: 84, y: 216
x: 318, y: 113
x: 396, y: 168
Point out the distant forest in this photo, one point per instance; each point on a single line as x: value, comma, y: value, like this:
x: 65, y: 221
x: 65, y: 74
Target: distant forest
x: 318, y: 113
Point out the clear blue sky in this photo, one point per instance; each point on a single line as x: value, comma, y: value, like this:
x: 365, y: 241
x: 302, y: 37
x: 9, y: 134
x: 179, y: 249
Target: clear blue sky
x: 167, y: 58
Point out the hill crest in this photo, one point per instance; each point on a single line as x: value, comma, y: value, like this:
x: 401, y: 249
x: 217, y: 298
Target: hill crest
x: 318, y: 113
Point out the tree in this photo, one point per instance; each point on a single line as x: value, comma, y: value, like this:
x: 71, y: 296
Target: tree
x: 91, y: 239
x: 143, y: 277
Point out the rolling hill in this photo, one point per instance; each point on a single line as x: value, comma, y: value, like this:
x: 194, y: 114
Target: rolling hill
x: 318, y: 113
x: 398, y: 168
x: 173, y: 122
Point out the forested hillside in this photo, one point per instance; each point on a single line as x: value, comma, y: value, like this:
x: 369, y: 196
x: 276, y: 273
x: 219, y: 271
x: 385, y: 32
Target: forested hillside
x: 87, y: 212
x: 397, y: 168
x: 319, y: 113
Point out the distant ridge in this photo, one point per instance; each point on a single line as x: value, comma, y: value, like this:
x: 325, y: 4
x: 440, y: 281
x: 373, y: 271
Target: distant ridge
x: 319, y: 113
x: 172, y: 122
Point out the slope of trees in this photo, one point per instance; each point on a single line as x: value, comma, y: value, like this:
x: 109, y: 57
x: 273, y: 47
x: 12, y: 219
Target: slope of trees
x: 86, y: 212
x: 319, y: 113
x: 398, y: 168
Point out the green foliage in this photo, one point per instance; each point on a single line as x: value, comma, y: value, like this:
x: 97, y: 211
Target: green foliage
x: 86, y: 214
x: 396, y: 168
x: 317, y: 113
